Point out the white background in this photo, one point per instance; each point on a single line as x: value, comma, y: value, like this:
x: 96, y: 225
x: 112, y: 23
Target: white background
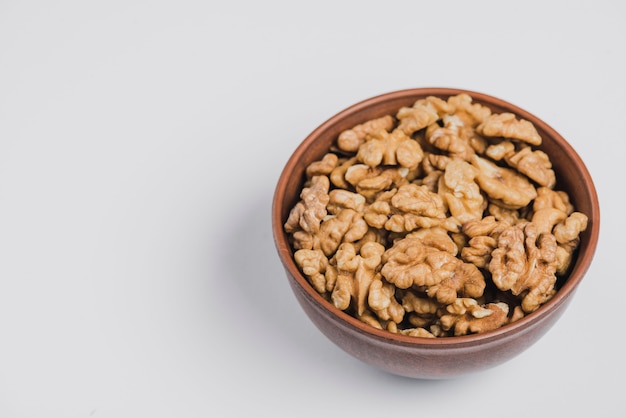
x: 140, y: 144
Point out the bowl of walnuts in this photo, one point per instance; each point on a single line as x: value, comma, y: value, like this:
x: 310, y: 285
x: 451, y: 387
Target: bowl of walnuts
x: 434, y: 232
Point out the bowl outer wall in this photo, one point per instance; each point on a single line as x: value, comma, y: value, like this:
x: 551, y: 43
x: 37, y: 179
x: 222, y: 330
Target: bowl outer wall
x: 460, y: 354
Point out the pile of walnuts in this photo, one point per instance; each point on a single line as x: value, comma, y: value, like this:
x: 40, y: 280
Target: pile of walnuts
x: 442, y: 220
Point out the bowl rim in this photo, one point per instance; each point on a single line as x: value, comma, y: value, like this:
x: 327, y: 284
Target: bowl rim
x: 562, y: 296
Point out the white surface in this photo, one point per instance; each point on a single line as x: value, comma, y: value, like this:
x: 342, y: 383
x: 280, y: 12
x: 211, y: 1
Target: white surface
x: 140, y: 143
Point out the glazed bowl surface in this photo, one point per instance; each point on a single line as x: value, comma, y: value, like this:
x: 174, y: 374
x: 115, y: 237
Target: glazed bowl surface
x: 432, y: 358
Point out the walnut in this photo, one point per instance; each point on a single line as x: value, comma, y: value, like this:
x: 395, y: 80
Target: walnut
x: 351, y: 139
x: 420, y: 305
x: 344, y: 199
x: 485, y: 226
x: 417, y: 332
x: 381, y: 299
x: 564, y: 254
x: 535, y: 164
x: 483, y: 235
x: 478, y: 251
x: 372, y: 235
x: 436, y: 237
x: 416, y: 117
x: 469, y: 112
x: 518, y: 313
x: 313, y: 264
x: 569, y: 229
x: 437, y: 330
x: 435, y: 162
x: 322, y: 167
x: 395, y: 148
x: 406, y: 209
x: 388, y: 179
x: 554, y: 213
x: 431, y: 180
x: 545, y: 219
x: 453, y: 137
x: 371, y: 181
x: 466, y: 280
x: 549, y: 198
x: 442, y: 107
x: 452, y: 225
x: 478, y: 143
x: 378, y: 213
x: 460, y: 240
x: 498, y: 151
x: 506, y: 125
x: 370, y: 319
x: 357, y: 172
x: 503, y: 185
x: 422, y: 312
x: 567, y: 234
x: 304, y: 241
x: 338, y: 175
x: 509, y: 258
x: 417, y: 320
x: 466, y: 316
x: 347, y: 226
x: 525, y: 263
x: 510, y: 216
x: 415, y: 206
x: 308, y: 213
x: 410, y: 263
x: 355, y: 273
x: 460, y: 192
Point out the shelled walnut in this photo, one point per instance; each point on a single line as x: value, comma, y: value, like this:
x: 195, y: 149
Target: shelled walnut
x: 440, y: 220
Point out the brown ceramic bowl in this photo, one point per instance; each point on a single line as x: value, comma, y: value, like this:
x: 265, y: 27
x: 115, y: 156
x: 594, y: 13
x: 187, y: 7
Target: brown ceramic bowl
x: 432, y: 358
